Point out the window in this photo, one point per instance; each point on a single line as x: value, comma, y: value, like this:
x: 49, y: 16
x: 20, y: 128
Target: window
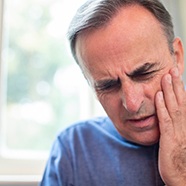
x: 42, y: 89
x: 176, y: 8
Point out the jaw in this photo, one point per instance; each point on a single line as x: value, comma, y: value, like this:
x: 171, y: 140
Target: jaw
x: 147, y: 137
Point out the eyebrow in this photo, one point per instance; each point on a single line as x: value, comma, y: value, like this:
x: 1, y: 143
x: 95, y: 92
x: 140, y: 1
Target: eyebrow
x: 137, y: 72
x: 142, y: 69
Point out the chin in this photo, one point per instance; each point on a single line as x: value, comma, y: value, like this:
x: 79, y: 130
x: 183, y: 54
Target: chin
x: 145, y: 138
x: 149, y: 143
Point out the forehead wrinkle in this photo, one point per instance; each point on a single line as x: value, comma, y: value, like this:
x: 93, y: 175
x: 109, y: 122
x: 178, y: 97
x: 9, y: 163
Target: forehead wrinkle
x: 97, y: 49
x: 108, y: 45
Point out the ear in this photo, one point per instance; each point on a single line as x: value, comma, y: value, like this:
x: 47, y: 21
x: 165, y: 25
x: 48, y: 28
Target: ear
x: 179, y: 54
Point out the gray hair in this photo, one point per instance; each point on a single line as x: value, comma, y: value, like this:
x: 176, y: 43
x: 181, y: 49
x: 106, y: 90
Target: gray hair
x: 97, y: 13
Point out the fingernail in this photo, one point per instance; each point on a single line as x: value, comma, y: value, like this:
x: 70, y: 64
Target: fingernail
x: 160, y: 95
x: 168, y: 78
x: 175, y: 72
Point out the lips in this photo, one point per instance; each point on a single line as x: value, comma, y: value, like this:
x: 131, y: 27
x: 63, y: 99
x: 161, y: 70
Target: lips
x: 140, y: 119
x: 146, y: 122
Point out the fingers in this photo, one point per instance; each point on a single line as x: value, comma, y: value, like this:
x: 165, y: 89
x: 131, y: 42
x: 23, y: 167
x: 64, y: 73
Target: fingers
x: 178, y: 85
x: 171, y: 112
x: 171, y: 103
x: 164, y: 118
x: 169, y: 94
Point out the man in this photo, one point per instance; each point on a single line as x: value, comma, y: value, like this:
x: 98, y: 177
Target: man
x: 129, y: 55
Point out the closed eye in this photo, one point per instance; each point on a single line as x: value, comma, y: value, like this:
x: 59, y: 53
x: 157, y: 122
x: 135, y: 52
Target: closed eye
x: 107, y: 85
x: 144, y: 72
x: 143, y: 76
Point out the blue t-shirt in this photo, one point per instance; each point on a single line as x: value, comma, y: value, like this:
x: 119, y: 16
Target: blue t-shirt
x: 92, y: 153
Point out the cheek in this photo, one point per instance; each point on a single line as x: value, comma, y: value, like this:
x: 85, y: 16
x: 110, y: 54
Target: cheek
x: 153, y: 87
x: 111, y: 103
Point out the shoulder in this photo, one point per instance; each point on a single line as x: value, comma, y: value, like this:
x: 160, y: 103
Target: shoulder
x: 79, y: 136
x: 92, y: 123
x: 92, y: 132
x: 85, y: 128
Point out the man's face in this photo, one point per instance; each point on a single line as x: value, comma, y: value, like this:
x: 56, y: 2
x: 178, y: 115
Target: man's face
x: 124, y: 62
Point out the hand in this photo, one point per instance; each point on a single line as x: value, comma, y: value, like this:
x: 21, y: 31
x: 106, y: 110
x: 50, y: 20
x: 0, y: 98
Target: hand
x: 171, y: 112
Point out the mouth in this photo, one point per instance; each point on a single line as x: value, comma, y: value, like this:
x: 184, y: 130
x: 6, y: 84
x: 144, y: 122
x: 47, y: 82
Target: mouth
x: 146, y: 122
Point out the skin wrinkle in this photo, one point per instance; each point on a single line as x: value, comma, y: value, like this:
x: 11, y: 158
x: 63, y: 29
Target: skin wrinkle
x: 112, y: 57
x: 148, y: 70
x: 179, y: 160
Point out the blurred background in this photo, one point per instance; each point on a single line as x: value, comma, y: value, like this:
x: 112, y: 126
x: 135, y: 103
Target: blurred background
x: 42, y: 90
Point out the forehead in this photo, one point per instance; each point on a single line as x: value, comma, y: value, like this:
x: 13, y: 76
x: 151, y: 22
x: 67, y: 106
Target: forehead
x: 132, y: 32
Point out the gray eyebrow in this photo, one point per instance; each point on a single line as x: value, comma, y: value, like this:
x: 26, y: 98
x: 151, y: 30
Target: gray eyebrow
x: 137, y: 72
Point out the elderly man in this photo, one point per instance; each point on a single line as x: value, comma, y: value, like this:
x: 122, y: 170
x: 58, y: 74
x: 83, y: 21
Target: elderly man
x: 129, y: 55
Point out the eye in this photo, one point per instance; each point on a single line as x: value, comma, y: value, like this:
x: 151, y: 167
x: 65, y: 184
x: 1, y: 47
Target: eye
x: 144, y: 76
x: 108, y: 85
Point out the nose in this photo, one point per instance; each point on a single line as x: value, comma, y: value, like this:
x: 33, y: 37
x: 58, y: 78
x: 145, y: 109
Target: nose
x: 132, y: 97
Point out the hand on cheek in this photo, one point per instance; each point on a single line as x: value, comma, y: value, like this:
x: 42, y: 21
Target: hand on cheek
x: 171, y: 112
